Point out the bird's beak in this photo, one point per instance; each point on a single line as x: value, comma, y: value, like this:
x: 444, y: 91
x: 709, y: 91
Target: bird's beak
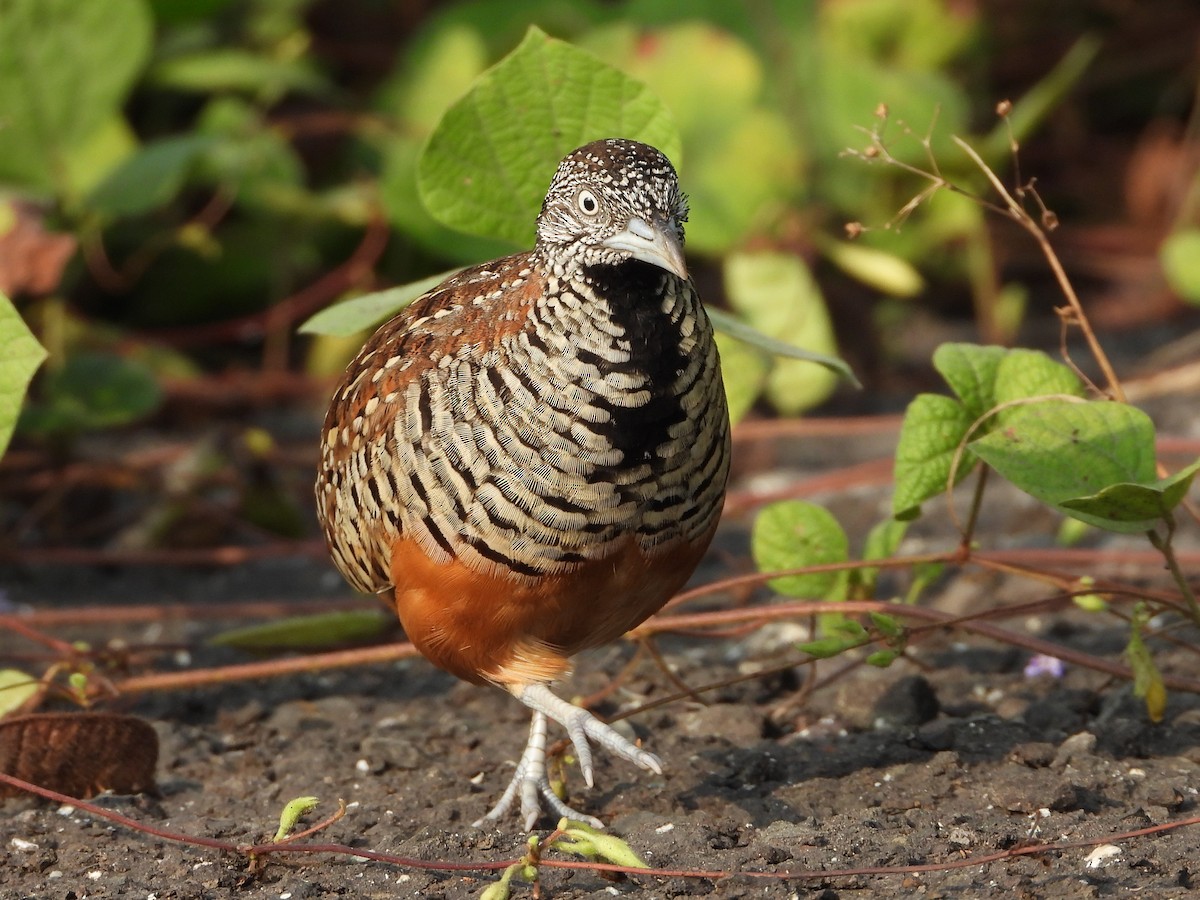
x: 658, y: 246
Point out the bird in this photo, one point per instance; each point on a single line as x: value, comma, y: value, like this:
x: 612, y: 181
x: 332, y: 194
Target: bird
x: 532, y: 457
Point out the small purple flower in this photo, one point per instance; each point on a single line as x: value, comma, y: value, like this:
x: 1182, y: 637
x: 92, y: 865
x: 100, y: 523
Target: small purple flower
x: 1041, y: 664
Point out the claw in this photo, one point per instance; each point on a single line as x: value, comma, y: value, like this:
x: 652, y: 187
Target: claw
x: 529, y: 781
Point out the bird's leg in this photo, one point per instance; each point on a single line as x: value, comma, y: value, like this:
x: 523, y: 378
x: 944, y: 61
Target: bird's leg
x: 529, y: 781
x: 530, y: 778
x: 581, y: 725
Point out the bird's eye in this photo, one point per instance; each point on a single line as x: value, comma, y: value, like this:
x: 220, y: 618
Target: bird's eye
x: 587, y: 202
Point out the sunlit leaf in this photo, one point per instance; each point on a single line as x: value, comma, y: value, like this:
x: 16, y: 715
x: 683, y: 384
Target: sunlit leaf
x: 1180, y: 258
x: 352, y: 316
x: 1136, y: 504
x: 776, y: 294
x: 293, y: 810
x: 741, y: 154
x: 591, y: 843
x: 16, y: 687
x: 970, y: 370
x: 744, y: 371
x: 746, y: 334
x: 1100, y: 456
x: 881, y: 542
x: 65, y: 69
x: 793, y: 534
x: 20, y: 356
x: 301, y: 632
x: 1031, y: 373
x: 488, y: 163
x: 879, y: 269
x: 932, y: 430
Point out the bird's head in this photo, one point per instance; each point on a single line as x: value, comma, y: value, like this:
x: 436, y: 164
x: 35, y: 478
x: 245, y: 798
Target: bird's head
x: 611, y: 201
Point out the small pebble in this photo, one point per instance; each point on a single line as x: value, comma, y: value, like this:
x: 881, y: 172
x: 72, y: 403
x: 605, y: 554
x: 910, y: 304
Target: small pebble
x: 1077, y: 745
x: 1102, y: 856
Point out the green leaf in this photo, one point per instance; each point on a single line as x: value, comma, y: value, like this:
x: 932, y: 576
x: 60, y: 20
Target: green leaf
x: 235, y: 69
x: 88, y: 162
x: 740, y: 331
x: 875, y: 268
x: 824, y: 648
x: 923, y: 575
x: 1071, y: 532
x: 1031, y: 373
x: 1180, y: 260
x: 291, y: 814
x: 586, y: 841
x: 1090, y: 602
x: 1059, y: 451
x: 151, y: 177
x: 881, y: 542
x: 20, y: 356
x: 881, y: 659
x: 740, y: 151
x: 793, y: 534
x: 248, y: 154
x: 744, y: 372
x: 933, y: 428
x: 65, y: 69
x: 851, y: 629
x: 845, y: 88
x: 970, y: 370
x: 16, y: 687
x: 303, y: 632
x: 93, y: 390
x: 1136, y: 504
x: 405, y: 209
x: 488, y: 163
x: 352, y: 316
x: 776, y: 294
x: 914, y: 35
x: 501, y: 890
x: 889, y: 626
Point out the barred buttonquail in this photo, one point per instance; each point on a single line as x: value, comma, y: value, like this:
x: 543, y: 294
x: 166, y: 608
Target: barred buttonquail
x: 533, y: 455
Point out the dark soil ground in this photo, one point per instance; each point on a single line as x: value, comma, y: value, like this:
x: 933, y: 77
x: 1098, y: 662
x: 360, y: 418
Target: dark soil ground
x: 957, y: 754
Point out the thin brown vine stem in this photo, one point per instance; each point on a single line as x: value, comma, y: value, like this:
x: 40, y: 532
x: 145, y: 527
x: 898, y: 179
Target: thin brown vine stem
x: 152, y: 612
x: 932, y: 619
x: 659, y: 660
x: 62, y: 648
x: 319, y: 662
x: 1021, y: 217
x: 1007, y: 561
x: 258, y: 851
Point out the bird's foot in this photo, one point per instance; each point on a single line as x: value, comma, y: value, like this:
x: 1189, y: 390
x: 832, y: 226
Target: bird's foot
x: 531, y: 785
x: 530, y: 781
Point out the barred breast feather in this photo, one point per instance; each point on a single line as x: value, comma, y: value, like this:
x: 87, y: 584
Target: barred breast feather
x: 555, y: 424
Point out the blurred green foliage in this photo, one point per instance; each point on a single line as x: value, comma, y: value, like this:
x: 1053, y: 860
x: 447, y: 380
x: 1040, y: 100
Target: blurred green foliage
x: 212, y: 160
